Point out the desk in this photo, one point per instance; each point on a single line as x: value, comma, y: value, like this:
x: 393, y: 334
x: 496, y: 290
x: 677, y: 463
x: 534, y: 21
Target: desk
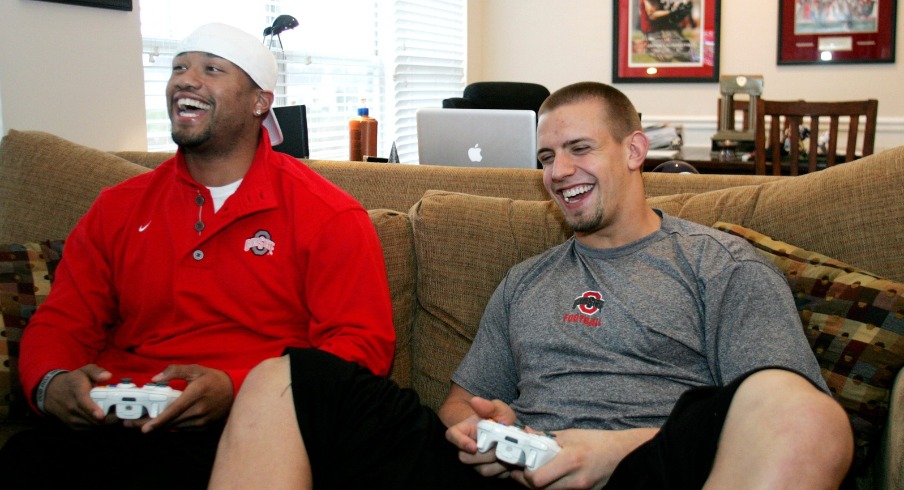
x: 705, y: 163
x: 701, y: 158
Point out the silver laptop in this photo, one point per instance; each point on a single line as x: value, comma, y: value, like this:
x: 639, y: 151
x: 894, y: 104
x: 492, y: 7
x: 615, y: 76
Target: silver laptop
x: 477, y: 137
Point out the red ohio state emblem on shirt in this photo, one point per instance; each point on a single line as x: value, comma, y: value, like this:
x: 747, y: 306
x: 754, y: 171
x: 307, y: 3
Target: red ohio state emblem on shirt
x: 260, y: 243
x: 589, y: 303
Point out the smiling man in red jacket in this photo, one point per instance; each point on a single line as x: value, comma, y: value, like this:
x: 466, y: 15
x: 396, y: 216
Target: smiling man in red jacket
x: 225, y: 255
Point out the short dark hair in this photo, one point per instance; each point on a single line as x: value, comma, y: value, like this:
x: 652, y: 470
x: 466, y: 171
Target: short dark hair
x: 620, y: 113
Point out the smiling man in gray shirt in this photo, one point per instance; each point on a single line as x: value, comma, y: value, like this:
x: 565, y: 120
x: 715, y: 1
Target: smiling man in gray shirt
x: 609, y: 338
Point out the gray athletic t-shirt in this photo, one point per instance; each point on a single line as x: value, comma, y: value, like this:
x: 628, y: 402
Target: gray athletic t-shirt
x: 609, y: 339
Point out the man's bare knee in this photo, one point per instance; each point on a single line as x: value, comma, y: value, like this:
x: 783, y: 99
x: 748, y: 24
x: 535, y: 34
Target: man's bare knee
x: 268, y: 369
x: 780, y: 424
x: 264, y: 440
x: 269, y: 379
x: 790, y: 399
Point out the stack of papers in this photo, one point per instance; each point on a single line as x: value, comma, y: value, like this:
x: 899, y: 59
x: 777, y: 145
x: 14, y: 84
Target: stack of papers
x: 663, y: 136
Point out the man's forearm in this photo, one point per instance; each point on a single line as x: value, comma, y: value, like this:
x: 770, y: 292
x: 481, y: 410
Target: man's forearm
x: 456, y: 407
x: 454, y: 411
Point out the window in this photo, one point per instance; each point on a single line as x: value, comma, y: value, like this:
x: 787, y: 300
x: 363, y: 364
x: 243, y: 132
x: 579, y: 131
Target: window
x: 398, y: 55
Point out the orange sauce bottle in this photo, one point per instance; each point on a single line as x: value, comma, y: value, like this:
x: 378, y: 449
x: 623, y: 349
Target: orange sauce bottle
x: 362, y: 136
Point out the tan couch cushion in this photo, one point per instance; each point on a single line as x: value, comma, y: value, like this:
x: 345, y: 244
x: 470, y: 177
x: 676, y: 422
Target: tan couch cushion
x: 464, y: 245
x: 851, y: 212
x: 399, y: 186
x: 669, y: 204
x: 47, y: 184
x: 149, y: 159
x: 665, y: 184
x: 368, y: 182
x: 394, y: 232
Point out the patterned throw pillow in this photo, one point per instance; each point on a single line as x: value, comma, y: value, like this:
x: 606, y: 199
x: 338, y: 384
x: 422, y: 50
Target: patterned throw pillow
x: 854, y: 321
x: 26, y: 271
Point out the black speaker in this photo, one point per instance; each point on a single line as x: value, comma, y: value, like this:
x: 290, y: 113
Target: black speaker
x: 293, y: 121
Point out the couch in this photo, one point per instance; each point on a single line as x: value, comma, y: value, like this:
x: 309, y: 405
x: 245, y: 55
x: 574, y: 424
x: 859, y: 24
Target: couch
x: 449, y: 234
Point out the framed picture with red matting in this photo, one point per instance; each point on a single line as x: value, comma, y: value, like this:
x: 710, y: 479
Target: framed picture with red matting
x: 665, y: 41
x: 836, y: 31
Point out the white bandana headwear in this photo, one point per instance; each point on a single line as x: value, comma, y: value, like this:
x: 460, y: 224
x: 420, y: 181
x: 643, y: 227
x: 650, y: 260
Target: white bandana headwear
x: 242, y: 50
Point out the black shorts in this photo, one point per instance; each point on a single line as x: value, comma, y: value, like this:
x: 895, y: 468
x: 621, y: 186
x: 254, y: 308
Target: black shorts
x: 681, y: 455
x: 361, y: 429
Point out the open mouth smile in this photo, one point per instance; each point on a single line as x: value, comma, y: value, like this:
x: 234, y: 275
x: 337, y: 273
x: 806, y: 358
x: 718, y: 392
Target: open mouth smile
x: 574, y: 194
x: 190, y: 107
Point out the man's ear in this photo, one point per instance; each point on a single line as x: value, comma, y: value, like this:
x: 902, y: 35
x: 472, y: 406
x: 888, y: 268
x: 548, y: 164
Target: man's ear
x: 638, y: 144
x: 264, y: 101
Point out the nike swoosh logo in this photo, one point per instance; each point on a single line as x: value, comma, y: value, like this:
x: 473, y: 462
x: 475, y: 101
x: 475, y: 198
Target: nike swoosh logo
x: 145, y: 227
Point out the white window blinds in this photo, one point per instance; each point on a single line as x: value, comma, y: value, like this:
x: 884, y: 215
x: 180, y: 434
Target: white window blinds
x: 399, y: 55
x: 428, y: 60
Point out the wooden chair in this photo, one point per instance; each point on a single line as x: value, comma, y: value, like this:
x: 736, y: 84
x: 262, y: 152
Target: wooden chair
x: 775, y: 118
x: 741, y: 109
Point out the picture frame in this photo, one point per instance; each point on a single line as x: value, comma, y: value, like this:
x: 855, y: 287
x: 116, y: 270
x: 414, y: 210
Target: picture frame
x: 125, y: 5
x: 673, y: 41
x: 859, y: 31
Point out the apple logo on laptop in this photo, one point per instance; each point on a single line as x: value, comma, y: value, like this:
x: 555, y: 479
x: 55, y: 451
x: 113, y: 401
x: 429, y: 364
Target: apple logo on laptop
x: 474, y: 153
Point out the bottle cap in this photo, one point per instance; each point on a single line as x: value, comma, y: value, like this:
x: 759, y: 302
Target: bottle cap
x: 362, y: 111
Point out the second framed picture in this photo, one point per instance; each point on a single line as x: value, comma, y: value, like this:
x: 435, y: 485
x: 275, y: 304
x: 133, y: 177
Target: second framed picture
x: 841, y: 31
x: 665, y: 41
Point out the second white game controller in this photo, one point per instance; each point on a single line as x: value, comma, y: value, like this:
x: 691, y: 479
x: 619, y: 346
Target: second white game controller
x: 132, y: 402
x: 514, y: 445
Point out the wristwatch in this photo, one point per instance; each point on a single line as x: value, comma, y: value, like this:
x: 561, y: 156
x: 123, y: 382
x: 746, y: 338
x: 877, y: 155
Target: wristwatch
x: 41, y: 390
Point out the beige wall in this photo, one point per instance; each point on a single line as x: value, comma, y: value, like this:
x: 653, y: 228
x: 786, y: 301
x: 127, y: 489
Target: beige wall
x: 559, y: 42
x: 76, y: 71
x: 72, y: 71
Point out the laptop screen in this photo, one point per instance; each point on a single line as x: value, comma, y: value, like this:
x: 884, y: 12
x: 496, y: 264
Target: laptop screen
x: 477, y: 137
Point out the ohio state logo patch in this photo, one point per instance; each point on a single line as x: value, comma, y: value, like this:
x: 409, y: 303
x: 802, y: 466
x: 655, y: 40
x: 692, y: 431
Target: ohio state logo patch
x: 260, y: 243
x: 589, y: 303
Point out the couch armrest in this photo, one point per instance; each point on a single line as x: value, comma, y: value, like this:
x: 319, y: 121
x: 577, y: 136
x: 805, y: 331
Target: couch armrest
x: 893, y: 461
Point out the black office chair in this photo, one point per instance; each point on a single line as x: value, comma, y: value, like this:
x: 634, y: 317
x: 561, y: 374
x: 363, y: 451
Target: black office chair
x: 499, y: 95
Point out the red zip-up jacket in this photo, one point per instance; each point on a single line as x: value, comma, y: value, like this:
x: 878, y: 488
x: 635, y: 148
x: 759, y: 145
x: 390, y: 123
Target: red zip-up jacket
x: 289, y: 260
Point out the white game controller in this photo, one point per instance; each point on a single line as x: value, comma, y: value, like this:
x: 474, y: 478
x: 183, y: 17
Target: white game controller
x: 132, y: 402
x: 515, y: 446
